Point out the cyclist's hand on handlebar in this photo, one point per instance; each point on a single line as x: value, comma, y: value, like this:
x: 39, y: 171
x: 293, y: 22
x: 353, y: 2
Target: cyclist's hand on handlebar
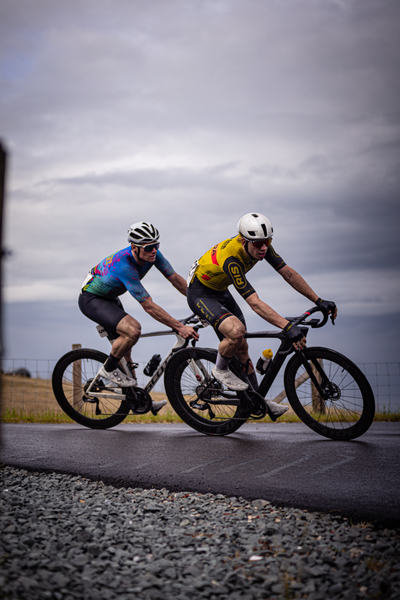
x: 296, y: 335
x: 188, y: 332
x: 329, y: 306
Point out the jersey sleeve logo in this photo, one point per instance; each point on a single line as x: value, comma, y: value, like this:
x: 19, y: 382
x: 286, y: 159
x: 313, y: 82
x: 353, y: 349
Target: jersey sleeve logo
x: 237, y: 275
x: 214, y: 255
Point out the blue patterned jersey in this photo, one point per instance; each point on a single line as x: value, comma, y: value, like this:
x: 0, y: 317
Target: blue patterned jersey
x: 120, y: 272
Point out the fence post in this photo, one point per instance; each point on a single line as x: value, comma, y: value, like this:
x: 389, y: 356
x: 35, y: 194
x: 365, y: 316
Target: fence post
x: 77, y: 381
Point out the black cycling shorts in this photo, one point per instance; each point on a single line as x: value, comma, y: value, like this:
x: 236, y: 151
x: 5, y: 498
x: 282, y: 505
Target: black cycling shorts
x: 211, y: 305
x: 106, y: 312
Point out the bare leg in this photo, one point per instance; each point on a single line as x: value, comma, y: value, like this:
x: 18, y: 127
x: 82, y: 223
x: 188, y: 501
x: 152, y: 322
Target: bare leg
x: 243, y: 355
x: 128, y: 330
x: 235, y: 343
x: 233, y: 331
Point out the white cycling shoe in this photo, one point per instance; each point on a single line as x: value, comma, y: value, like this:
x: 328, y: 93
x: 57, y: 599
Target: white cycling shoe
x: 157, y: 406
x: 117, y: 377
x: 276, y: 409
x: 229, y: 379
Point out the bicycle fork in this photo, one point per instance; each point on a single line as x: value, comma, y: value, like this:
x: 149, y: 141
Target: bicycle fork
x: 317, y: 375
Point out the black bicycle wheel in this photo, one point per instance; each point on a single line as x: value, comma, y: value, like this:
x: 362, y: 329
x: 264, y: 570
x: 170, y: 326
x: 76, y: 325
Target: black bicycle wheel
x: 194, y: 393
x: 347, y: 407
x: 71, y: 377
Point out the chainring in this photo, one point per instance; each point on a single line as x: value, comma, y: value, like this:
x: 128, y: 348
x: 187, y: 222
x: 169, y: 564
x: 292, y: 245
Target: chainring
x: 256, y: 405
x: 139, y: 400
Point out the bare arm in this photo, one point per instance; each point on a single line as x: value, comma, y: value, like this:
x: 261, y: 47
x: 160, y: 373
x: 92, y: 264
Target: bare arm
x: 178, y: 282
x: 265, y: 311
x: 159, y: 314
x: 298, y: 283
x: 271, y: 316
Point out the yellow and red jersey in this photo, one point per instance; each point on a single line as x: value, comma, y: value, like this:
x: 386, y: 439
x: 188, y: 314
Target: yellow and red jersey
x: 227, y: 263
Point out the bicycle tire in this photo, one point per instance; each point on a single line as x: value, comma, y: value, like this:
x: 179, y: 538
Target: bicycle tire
x: 350, y: 408
x: 70, y: 376
x: 183, y: 388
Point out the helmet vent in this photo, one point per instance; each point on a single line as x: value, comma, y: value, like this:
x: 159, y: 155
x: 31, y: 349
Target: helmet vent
x: 254, y: 226
x: 143, y: 233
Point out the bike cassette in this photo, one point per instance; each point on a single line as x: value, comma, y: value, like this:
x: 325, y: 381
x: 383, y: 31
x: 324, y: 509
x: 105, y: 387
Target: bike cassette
x: 205, y: 391
x: 139, y: 400
x: 98, y: 387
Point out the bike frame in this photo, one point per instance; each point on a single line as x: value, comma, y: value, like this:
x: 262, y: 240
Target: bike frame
x: 276, y: 362
x: 285, y: 348
x: 179, y: 344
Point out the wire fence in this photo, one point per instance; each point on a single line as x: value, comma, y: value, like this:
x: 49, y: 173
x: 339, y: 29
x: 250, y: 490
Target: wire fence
x: 26, y: 384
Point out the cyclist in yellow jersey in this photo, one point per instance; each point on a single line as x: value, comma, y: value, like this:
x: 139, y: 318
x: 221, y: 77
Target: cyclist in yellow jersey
x: 208, y: 296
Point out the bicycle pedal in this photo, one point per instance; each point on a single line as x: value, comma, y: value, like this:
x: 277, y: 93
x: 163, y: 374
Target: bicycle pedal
x: 271, y: 416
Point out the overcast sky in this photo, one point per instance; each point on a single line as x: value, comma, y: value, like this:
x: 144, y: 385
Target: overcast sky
x: 188, y: 114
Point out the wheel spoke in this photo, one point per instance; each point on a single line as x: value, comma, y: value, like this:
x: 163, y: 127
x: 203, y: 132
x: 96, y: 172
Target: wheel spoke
x: 89, y: 400
x: 346, y: 408
x: 197, y: 397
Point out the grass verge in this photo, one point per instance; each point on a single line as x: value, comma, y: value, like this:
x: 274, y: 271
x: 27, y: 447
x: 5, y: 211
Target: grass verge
x: 166, y: 415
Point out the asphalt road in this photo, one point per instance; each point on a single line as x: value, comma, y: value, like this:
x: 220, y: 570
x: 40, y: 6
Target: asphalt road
x: 287, y: 464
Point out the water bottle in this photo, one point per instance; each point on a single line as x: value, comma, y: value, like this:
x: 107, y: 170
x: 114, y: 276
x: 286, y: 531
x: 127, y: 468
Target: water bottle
x: 152, y: 365
x: 263, y: 362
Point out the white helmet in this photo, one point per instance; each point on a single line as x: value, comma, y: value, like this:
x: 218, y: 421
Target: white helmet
x: 143, y: 233
x: 254, y: 226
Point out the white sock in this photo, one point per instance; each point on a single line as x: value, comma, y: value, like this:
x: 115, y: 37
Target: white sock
x: 221, y: 363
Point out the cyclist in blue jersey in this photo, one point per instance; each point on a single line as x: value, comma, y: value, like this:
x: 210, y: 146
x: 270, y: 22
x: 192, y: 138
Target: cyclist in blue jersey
x: 117, y: 274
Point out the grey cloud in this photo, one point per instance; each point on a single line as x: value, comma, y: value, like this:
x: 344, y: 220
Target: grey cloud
x: 154, y: 179
x: 192, y: 113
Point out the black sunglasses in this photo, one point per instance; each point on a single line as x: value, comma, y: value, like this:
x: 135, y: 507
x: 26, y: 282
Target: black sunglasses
x: 151, y: 247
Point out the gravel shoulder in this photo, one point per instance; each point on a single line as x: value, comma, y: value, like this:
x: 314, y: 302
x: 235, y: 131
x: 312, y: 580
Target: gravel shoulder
x: 67, y: 537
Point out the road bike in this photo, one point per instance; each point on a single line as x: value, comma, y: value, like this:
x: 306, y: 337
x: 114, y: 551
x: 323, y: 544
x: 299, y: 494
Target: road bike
x: 326, y: 390
x: 95, y: 402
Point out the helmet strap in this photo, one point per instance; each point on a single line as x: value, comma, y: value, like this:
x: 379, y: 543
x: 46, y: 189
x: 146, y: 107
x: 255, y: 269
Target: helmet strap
x: 246, y: 246
x: 136, y: 253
